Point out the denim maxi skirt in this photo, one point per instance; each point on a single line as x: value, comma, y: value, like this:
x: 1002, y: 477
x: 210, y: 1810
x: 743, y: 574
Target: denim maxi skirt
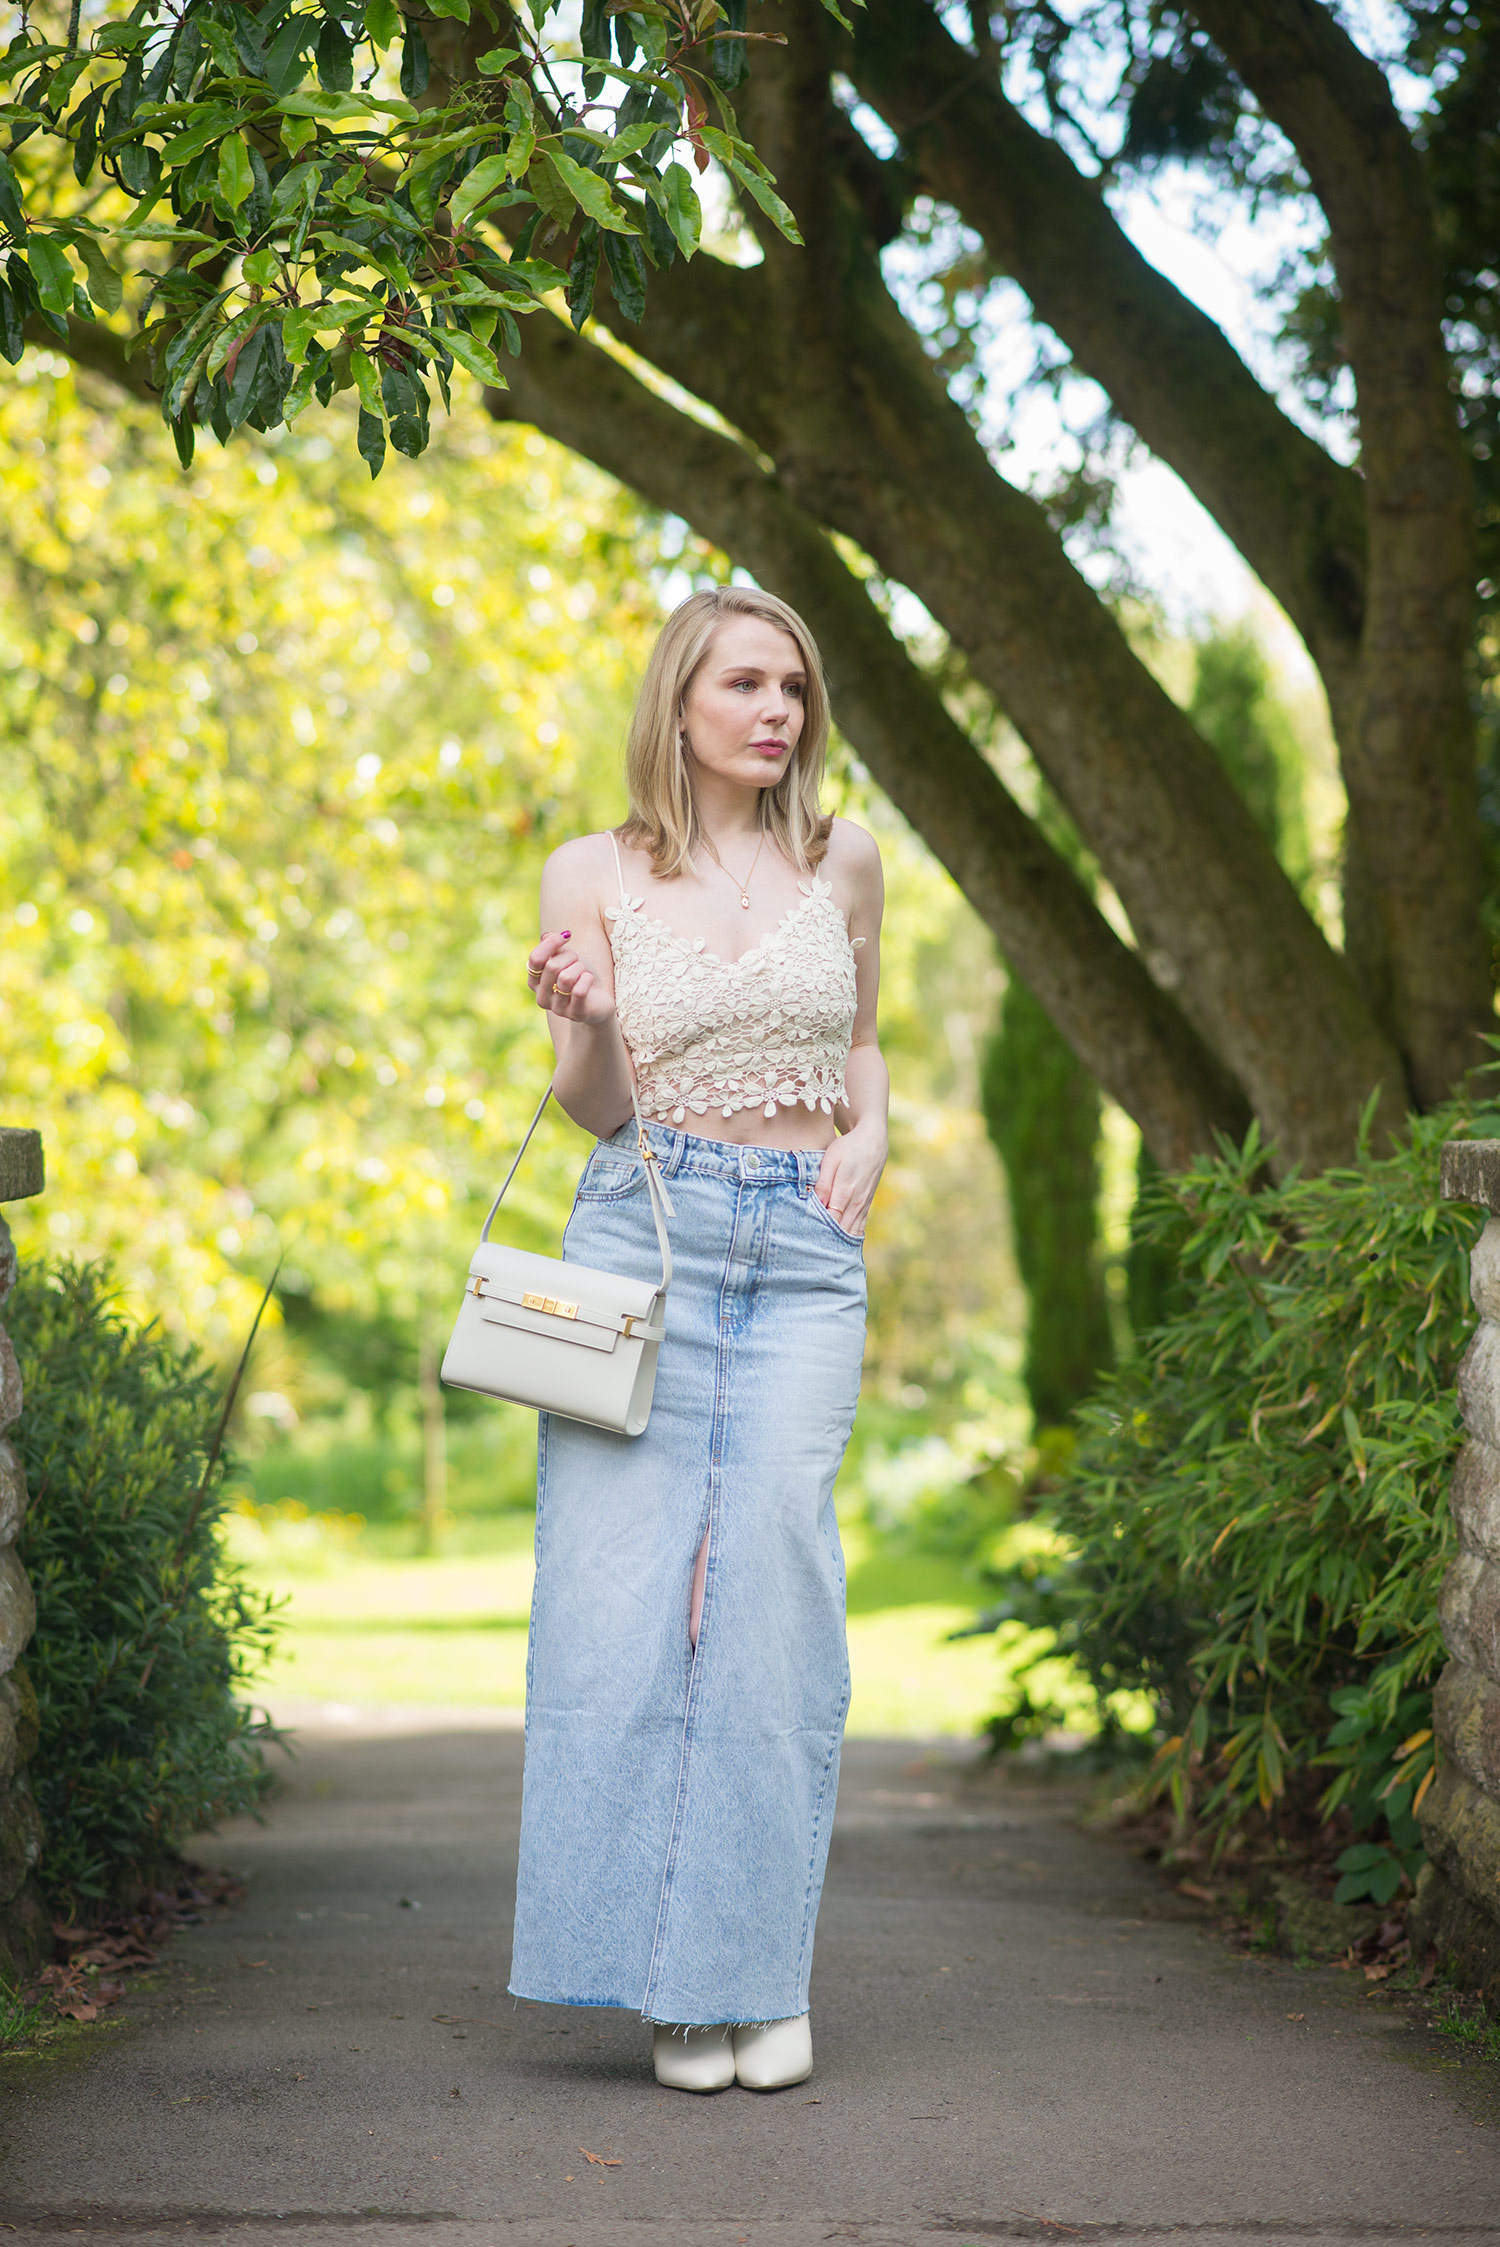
x: 677, y: 1803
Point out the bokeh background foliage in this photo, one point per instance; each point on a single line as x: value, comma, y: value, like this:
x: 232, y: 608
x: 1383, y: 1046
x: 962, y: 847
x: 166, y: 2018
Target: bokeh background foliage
x: 284, y: 752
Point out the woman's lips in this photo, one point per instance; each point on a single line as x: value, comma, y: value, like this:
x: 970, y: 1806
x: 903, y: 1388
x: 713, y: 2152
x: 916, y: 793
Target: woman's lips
x: 771, y: 748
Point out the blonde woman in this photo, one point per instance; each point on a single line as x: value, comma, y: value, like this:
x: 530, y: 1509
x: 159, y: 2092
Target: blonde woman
x: 688, y: 1678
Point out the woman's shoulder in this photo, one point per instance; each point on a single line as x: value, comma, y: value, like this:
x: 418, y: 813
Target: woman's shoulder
x: 585, y: 858
x: 852, y: 850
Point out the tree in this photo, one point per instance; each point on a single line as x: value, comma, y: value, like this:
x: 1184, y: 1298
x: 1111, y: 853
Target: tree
x: 838, y: 459
x: 1041, y: 1108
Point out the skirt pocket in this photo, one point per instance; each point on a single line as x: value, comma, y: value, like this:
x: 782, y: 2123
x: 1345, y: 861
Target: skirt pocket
x: 824, y: 1215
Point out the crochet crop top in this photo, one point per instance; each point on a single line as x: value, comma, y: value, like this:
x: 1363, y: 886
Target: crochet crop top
x: 767, y: 1030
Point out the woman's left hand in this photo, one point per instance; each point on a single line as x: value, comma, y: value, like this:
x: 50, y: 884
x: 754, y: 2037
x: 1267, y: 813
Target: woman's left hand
x: 850, y: 1174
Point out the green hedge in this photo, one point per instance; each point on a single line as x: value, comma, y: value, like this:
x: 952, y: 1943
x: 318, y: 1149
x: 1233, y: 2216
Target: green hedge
x: 1257, y: 1509
x: 143, y: 1632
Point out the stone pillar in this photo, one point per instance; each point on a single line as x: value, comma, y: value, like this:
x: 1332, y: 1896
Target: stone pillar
x: 24, y: 1929
x: 1458, y: 1896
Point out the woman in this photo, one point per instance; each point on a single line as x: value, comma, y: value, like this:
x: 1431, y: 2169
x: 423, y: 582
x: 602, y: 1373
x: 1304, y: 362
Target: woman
x: 688, y: 1680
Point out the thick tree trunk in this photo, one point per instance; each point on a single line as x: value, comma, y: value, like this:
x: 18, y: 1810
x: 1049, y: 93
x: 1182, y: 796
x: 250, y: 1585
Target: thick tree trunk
x: 1410, y: 765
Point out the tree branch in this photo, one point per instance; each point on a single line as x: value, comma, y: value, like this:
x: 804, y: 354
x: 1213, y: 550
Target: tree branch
x: 1295, y: 515
x: 810, y: 355
x: 1409, y: 767
x: 1127, y: 1031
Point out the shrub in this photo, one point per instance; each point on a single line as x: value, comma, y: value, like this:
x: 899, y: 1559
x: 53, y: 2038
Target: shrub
x: 1257, y: 1510
x: 143, y: 1631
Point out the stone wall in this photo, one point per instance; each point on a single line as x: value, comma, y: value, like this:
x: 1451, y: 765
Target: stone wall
x: 23, y: 1918
x: 1458, y: 1897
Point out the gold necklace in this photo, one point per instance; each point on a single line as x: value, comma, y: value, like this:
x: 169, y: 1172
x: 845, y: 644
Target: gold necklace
x: 744, y: 886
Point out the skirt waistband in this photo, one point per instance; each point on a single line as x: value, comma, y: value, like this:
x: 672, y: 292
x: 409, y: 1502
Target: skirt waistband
x: 689, y: 1153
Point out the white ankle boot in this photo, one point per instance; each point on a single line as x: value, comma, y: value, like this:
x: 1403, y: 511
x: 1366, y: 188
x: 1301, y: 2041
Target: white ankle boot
x: 694, y: 2059
x: 775, y: 2054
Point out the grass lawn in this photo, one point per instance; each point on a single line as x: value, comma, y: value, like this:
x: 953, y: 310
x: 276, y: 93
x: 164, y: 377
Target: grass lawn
x: 367, y: 1623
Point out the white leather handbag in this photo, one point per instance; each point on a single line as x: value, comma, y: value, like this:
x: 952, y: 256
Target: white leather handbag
x: 561, y: 1337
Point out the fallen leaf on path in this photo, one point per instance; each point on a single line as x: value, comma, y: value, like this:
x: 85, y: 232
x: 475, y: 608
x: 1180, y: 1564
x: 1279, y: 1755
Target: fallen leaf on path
x: 598, y: 2159
x: 1296, y: 2016
x: 1199, y: 1896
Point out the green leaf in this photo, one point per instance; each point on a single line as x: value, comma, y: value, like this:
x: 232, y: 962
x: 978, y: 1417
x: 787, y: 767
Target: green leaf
x: 474, y: 357
x: 371, y: 440
x: 12, y: 325
x: 298, y: 328
x: 416, y: 63
x: 342, y: 313
x: 337, y: 108
x: 583, y: 273
x: 301, y: 392
x: 761, y: 191
x: 488, y: 174
x: 226, y: 339
x: 536, y: 274
x: 235, y: 176
x: 627, y: 276
x: 456, y: 8
x: 11, y: 211
x: 52, y: 273
x: 497, y: 60
x: 183, y: 147
x: 590, y: 193
x: 296, y: 132
x: 261, y: 268
x: 549, y: 192
x: 335, y: 57
x: 366, y: 381
x: 284, y: 63
x: 382, y: 21
x: 684, y: 213
x: 105, y: 285
x: 1385, y: 1880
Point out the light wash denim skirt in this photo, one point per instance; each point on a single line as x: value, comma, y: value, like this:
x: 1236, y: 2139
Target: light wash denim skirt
x: 677, y: 1802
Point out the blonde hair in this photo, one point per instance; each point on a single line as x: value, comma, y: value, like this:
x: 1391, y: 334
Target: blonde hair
x: 663, y: 816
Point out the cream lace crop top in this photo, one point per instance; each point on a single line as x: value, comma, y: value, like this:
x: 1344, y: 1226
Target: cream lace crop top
x: 766, y: 1030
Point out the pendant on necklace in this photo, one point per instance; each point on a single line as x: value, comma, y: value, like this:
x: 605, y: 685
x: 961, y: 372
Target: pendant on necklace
x: 744, y: 904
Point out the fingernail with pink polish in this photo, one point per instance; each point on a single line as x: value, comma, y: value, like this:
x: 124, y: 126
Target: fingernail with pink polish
x: 565, y: 932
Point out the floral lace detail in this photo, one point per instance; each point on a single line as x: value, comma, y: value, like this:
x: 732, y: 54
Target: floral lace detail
x: 764, y: 1031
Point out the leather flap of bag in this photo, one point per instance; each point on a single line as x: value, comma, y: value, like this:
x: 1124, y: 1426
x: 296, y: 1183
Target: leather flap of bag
x: 578, y: 1330
x: 594, y: 1302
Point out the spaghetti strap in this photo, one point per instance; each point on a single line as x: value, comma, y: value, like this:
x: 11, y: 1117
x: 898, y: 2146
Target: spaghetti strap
x: 619, y: 869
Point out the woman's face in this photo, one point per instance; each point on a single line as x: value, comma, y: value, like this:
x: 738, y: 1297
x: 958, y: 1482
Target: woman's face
x: 743, y: 713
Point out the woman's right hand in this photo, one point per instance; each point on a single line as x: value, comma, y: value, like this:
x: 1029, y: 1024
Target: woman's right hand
x: 564, y: 986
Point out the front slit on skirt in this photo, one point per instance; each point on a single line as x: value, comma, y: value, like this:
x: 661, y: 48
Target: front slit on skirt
x: 677, y: 1804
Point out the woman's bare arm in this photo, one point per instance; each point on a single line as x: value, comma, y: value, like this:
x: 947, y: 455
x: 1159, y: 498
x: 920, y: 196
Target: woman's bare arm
x: 853, y: 1164
x: 571, y: 974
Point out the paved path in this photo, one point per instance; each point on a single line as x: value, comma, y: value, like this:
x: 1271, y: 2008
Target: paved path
x: 1020, y: 2034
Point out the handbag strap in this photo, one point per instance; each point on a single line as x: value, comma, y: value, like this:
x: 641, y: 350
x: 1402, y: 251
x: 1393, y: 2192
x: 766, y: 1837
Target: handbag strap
x: 661, y: 1200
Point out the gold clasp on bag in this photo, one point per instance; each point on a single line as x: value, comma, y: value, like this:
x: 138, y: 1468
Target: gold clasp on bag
x: 551, y: 1303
